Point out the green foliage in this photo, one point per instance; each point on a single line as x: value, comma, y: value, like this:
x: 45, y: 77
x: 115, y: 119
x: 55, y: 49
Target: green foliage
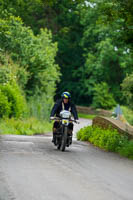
x: 10, y: 71
x: 94, y: 45
x: 106, y: 59
x: 40, y: 107
x: 109, y: 140
x: 38, y: 13
x: 127, y: 88
x: 91, y: 52
x: 106, y: 139
x: 102, y: 97
x: 128, y: 114
x: 5, y: 106
x: 35, y: 53
x: 127, y: 150
x: 120, y: 13
x: 28, y: 126
x: 12, y: 102
x: 30, y: 62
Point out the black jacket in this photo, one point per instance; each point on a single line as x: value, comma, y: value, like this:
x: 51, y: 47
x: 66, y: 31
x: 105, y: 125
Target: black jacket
x: 58, y: 107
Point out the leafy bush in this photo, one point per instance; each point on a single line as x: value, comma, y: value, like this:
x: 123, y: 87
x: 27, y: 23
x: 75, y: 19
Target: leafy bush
x: 106, y: 139
x: 5, y: 106
x: 12, y: 102
x: 10, y: 71
x: 128, y: 114
x: 127, y: 88
x: 102, y: 97
x: 109, y: 140
x: 127, y: 150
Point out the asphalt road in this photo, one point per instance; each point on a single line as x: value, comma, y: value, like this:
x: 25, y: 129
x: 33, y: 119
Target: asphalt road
x: 31, y: 168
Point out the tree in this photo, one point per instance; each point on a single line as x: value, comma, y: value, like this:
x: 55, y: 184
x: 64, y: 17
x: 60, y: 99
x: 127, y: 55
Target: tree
x: 106, y: 59
x: 102, y: 97
x: 35, y: 57
x: 34, y: 53
x: 94, y: 44
x: 12, y: 98
x: 127, y: 89
x: 120, y: 13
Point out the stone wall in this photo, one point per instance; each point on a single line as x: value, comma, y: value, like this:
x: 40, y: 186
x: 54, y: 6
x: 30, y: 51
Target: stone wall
x: 106, y: 122
x: 91, y: 111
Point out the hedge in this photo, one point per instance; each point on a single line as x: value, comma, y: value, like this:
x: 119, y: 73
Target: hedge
x: 107, y: 139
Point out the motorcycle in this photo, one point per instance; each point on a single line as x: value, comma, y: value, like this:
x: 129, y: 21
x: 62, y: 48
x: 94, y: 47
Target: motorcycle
x: 63, y: 138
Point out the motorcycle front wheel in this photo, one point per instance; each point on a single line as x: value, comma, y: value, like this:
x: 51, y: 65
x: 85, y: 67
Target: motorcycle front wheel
x: 59, y: 146
x: 64, y: 139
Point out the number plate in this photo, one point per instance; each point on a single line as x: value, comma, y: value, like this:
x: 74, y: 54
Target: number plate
x: 64, y: 121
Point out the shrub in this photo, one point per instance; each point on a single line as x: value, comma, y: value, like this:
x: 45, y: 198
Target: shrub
x: 108, y: 139
x: 13, y: 103
x: 127, y: 150
x: 5, y: 106
x: 128, y: 114
x: 11, y: 71
x: 102, y: 97
x: 127, y: 89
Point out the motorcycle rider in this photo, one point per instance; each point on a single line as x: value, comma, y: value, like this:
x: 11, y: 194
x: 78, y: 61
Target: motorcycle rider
x: 63, y: 104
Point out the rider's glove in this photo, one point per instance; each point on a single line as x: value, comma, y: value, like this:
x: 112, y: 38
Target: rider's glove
x: 51, y: 118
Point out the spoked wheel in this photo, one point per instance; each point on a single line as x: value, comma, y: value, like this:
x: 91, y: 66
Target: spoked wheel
x: 64, y: 139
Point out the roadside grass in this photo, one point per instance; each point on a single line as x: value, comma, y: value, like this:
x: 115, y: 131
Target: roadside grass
x: 30, y: 126
x: 86, y: 116
x: 128, y: 114
x: 109, y: 140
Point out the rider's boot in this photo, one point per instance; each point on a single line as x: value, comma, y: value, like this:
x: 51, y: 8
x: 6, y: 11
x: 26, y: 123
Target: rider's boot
x: 70, y: 132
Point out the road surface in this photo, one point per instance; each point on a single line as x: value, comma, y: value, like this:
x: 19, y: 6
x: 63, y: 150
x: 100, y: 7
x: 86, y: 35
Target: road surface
x: 31, y: 168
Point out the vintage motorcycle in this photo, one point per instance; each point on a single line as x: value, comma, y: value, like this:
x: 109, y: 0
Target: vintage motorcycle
x: 63, y: 136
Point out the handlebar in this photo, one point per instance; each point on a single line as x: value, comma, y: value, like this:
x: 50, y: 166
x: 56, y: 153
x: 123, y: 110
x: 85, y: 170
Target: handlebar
x: 60, y: 118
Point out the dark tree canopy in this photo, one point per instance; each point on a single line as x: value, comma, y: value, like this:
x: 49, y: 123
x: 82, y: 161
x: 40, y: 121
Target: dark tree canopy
x: 90, y: 41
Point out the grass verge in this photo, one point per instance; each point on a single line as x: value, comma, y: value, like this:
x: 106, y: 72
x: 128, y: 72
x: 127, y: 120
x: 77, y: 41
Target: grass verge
x: 29, y: 126
x: 86, y: 116
x: 128, y: 114
x: 109, y: 140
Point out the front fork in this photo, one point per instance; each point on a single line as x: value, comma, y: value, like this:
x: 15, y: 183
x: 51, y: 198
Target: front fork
x: 68, y: 135
x: 64, y: 131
